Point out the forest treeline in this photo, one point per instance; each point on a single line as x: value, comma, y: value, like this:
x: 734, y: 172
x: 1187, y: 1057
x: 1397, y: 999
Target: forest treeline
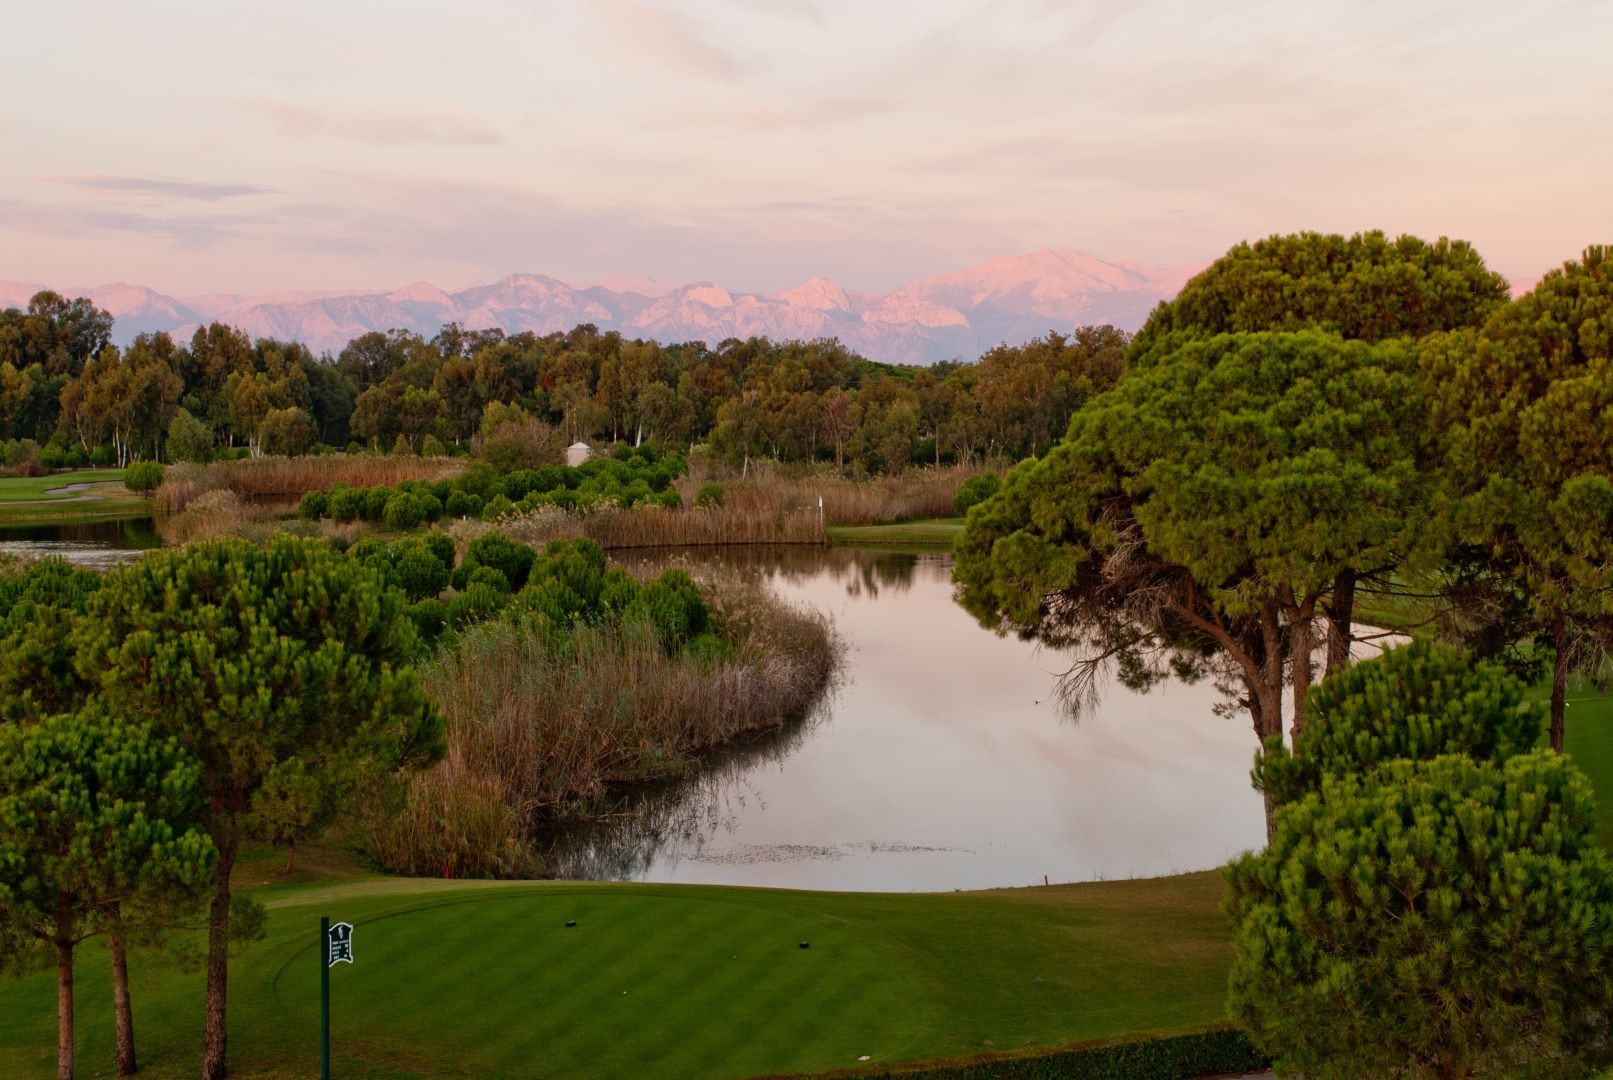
x: 69, y: 396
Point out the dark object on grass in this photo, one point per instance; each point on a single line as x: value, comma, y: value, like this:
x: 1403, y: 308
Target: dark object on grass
x: 806, y: 944
x: 571, y: 922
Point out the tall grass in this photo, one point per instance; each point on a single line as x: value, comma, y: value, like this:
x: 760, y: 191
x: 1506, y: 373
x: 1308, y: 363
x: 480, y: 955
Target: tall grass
x: 767, y: 507
x: 288, y: 477
x: 914, y: 493
x: 540, y: 732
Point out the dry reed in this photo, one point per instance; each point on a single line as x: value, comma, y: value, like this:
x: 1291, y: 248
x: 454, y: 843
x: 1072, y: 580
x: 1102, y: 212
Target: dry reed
x: 765, y: 508
x: 288, y: 477
x: 538, y: 732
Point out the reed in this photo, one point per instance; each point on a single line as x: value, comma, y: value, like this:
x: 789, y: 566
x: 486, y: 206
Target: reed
x: 767, y: 507
x: 539, y: 732
x: 288, y: 477
x: 215, y: 512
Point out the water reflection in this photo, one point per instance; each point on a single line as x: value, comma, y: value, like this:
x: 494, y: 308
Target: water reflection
x: 942, y: 760
x: 98, y: 545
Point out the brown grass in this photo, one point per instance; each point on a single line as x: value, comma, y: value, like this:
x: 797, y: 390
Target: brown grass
x: 915, y: 493
x: 289, y: 477
x: 538, y: 732
x: 765, y: 508
x: 217, y: 512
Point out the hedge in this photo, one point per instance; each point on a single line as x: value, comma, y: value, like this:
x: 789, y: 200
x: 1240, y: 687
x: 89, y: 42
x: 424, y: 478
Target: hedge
x: 1215, y: 1051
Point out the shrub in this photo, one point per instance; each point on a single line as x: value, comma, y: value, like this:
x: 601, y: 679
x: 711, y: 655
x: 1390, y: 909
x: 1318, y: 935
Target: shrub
x: 143, y: 476
x: 431, y: 446
x: 1416, y: 701
x: 346, y: 504
x: 313, y: 505
x: 477, y: 603
x: 499, y: 506
x: 463, y: 504
x: 510, y: 557
x: 674, y: 606
x: 442, y: 546
x: 375, y: 500
x: 1429, y: 919
x: 417, y: 570
x: 975, y: 490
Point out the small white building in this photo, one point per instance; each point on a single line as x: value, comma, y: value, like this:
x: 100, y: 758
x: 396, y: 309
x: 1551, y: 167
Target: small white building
x: 578, y: 452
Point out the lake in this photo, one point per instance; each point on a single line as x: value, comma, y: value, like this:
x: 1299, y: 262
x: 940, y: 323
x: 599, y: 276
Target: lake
x: 940, y: 761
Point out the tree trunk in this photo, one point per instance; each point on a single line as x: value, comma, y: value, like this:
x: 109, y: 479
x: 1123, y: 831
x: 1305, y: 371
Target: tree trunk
x: 291, y: 859
x: 1299, y: 663
x: 1559, y: 685
x: 1340, y: 622
x: 64, y: 989
x: 123, y: 1011
x: 1266, y: 709
x: 218, y: 961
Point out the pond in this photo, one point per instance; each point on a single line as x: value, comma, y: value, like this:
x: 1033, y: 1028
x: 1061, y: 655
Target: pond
x: 99, y: 545
x: 940, y: 761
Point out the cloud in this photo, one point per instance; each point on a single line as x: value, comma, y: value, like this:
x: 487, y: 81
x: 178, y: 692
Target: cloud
x: 673, y: 39
x: 378, y: 127
x: 145, y: 185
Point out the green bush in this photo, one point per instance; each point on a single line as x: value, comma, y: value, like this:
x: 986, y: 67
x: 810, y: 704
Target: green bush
x: 143, y: 476
x: 1447, y: 917
x: 673, y: 605
x: 375, y: 500
x: 498, y: 506
x: 419, y: 572
x: 346, y: 504
x: 709, y: 496
x: 403, y: 511
x: 463, y: 504
x: 313, y: 505
x: 1216, y: 1051
x: 510, y: 557
x: 975, y: 490
x: 442, y: 546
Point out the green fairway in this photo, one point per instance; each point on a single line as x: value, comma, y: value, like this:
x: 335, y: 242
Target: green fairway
x: 937, y: 532
x: 485, y: 979
x: 40, y: 499
x: 479, y: 979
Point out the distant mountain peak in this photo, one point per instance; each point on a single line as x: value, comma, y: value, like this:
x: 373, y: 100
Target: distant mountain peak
x: 958, y: 314
x: 820, y: 294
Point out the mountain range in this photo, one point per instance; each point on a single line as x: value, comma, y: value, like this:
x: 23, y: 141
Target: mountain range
x: 958, y: 315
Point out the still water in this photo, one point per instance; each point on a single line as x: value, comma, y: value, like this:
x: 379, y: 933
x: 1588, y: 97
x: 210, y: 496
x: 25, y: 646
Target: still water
x: 99, y: 545
x: 941, y: 761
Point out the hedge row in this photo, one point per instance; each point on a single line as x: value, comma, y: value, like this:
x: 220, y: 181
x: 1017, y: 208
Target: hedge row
x: 1216, y: 1051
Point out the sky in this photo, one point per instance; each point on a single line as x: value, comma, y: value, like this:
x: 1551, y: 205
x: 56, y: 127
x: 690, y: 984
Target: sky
x: 341, y: 144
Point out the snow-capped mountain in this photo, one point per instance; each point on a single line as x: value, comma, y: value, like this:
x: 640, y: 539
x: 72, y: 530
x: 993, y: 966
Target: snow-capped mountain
x: 958, y: 315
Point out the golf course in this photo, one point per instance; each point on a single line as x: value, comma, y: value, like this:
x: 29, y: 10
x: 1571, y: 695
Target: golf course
x: 79, y: 495
x: 468, y: 978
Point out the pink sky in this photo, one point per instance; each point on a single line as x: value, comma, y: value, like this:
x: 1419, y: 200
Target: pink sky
x: 250, y: 146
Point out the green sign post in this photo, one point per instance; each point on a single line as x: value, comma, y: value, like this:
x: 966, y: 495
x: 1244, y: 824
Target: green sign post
x: 335, y: 947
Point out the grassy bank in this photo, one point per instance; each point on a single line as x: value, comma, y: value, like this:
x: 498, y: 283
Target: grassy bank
x: 466, y: 979
x: 933, y: 533
x: 36, y: 500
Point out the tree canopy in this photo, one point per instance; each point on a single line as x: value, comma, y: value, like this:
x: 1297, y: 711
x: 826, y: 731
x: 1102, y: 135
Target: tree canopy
x: 1210, y: 501
x: 1365, y: 287
x: 1522, y: 406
